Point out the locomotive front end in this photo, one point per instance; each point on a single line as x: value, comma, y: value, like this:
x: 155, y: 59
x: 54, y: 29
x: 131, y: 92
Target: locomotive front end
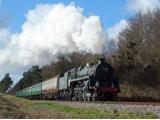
x: 105, y: 85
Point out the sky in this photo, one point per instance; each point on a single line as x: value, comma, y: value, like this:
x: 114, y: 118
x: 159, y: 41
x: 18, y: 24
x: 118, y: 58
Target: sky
x: 35, y: 32
x: 110, y: 12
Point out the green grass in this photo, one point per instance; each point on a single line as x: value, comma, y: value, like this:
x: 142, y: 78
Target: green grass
x: 94, y: 113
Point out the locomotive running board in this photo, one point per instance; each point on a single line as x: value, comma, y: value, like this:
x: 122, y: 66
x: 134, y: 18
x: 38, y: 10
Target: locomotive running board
x: 81, y: 78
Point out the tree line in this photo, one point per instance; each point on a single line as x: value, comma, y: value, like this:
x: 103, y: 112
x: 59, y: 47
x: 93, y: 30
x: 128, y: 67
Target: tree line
x: 137, y: 59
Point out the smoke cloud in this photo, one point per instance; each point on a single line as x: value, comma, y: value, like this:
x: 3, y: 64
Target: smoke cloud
x: 114, y: 31
x: 143, y: 5
x: 50, y: 30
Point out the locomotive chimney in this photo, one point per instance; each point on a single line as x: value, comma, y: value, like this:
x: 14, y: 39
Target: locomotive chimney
x: 102, y: 60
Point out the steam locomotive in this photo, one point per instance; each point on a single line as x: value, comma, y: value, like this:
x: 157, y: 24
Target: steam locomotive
x: 84, y: 83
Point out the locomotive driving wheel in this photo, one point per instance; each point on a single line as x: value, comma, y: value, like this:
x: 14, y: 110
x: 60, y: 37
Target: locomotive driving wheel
x: 94, y: 96
x: 86, y: 96
x: 80, y: 96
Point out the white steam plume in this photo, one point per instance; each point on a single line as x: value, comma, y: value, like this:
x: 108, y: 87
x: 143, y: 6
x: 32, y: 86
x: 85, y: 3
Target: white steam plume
x: 113, y: 32
x: 50, y: 30
x: 143, y: 5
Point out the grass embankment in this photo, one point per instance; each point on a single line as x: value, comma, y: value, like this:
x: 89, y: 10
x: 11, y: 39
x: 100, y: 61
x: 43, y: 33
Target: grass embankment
x: 17, y: 108
x: 12, y: 107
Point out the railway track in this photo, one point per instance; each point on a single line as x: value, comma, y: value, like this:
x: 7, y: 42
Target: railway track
x: 153, y: 107
x: 109, y: 102
x: 114, y: 102
x: 131, y: 103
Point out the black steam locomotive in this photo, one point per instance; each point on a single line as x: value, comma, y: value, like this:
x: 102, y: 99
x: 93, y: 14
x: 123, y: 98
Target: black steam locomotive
x: 91, y: 82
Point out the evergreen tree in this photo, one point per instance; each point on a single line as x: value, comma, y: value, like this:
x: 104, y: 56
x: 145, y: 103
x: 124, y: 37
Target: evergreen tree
x: 5, y: 83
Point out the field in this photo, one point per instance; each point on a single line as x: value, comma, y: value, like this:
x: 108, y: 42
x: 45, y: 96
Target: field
x: 12, y: 107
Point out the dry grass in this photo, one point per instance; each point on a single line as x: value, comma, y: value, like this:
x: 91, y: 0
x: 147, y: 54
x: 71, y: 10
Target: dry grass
x: 17, y: 108
x: 135, y: 93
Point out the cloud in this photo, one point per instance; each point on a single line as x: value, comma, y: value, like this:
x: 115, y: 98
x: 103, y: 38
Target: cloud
x: 114, y: 31
x: 4, y: 37
x: 143, y: 5
x: 50, y: 30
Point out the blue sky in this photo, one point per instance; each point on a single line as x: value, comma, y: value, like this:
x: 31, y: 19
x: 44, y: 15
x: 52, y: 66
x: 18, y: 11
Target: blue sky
x: 110, y: 11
